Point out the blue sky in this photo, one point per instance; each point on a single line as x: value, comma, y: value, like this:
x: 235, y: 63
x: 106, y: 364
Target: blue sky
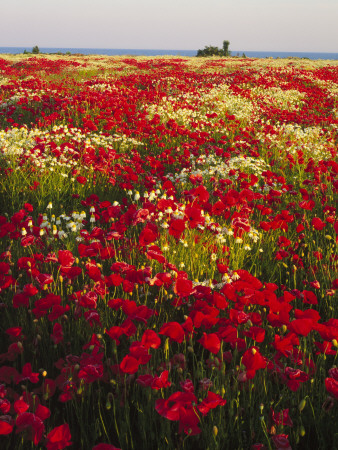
x: 272, y: 25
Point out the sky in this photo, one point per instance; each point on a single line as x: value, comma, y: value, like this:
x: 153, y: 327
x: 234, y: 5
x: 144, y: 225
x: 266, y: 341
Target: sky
x: 258, y: 25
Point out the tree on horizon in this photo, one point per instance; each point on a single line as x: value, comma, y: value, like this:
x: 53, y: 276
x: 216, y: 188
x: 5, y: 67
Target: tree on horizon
x: 215, y: 51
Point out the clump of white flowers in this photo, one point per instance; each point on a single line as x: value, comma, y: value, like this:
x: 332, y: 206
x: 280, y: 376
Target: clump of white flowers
x: 211, y: 165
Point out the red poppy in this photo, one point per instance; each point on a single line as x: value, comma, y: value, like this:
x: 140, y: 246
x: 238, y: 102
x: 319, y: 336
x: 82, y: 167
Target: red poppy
x: 88, y: 300
x: 301, y: 326
x: 129, y: 364
x: 173, y: 330
x: 210, y: 342
x: 210, y: 402
x: 309, y: 297
x: 183, y: 287
x: 82, y: 180
x: 5, y: 426
x: 30, y: 290
x: 179, y: 406
x: 150, y: 339
x: 256, y: 333
x: 115, y: 332
x: 201, y: 193
x: 27, y: 374
x: 43, y: 279
x: 282, y: 418
x: 93, y: 271
x: 285, y: 345
x: 219, y: 300
x: 154, y: 252
x: 145, y: 380
x: 43, y: 412
x: 253, y: 361
x: 317, y: 223
x: 331, y: 385
x: 91, y: 373
x: 308, y: 205
x: 161, y: 382
x: 218, y: 208
x: 147, y: 236
x: 176, y: 228
x: 42, y: 305
x: 59, y: 438
x: 187, y: 386
x: 129, y: 328
x: 20, y: 299
x: 66, y: 258
x: 57, y: 335
x: 32, y: 425
x: 281, y: 442
x: 189, y: 421
x: 138, y: 351
x: 294, y: 377
x: 20, y: 406
x: 141, y: 216
x: 194, y: 216
x: 240, y: 225
x: 228, y: 333
x: 5, y: 406
x: 127, y: 286
x: 265, y: 226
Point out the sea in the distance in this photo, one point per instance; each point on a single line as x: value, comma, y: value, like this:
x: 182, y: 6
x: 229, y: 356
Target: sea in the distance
x: 157, y: 52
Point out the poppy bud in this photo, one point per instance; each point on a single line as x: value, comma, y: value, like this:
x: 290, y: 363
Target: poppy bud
x: 301, y: 431
x: 215, y: 430
x: 302, y: 404
x: 166, y: 346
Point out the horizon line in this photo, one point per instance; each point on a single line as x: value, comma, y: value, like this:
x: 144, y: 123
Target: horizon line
x: 164, y: 49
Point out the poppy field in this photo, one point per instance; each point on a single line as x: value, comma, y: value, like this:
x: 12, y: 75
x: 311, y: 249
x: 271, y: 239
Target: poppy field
x: 168, y: 253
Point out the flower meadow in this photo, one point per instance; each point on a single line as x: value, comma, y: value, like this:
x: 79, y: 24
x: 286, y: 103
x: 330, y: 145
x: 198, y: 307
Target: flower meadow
x: 168, y: 264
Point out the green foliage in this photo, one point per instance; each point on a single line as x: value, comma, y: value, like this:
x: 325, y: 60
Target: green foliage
x: 210, y: 51
x: 226, y: 48
x: 215, y: 51
x: 35, y: 50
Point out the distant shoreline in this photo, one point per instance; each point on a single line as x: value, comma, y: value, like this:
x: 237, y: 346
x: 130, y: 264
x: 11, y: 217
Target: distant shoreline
x: 166, y: 52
